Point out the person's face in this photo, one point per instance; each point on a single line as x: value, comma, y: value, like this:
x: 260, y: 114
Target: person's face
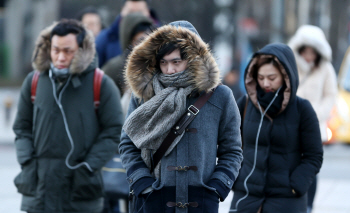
x: 92, y: 22
x: 269, y: 78
x: 172, y: 63
x: 231, y: 78
x: 63, y: 50
x: 135, y: 7
x: 138, y: 38
x: 309, y: 54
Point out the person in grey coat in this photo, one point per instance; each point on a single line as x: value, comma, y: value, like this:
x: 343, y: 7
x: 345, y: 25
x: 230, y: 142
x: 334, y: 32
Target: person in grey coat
x: 62, y: 141
x: 167, y: 73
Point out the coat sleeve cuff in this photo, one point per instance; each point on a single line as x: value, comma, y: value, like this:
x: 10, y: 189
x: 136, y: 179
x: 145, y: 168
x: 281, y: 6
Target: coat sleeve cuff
x: 142, y: 184
x: 225, y: 177
x: 221, y: 189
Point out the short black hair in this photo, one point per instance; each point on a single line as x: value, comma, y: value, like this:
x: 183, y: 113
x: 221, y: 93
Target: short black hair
x: 167, y: 49
x: 318, y: 55
x: 67, y: 26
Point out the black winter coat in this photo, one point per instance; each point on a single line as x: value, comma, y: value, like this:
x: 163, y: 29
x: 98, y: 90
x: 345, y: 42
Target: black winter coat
x: 279, y: 169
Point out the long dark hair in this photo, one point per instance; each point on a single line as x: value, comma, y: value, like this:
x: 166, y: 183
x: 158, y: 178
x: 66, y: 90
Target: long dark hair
x: 67, y: 26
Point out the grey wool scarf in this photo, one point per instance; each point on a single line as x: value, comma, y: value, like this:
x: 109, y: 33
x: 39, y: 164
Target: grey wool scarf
x: 150, y: 123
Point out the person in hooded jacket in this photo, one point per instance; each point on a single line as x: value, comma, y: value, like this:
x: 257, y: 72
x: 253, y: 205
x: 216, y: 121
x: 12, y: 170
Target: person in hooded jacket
x: 62, y: 140
x: 281, y: 139
x: 108, y: 42
x: 133, y: 28
x: 318, y: 82
x: 167, y: 73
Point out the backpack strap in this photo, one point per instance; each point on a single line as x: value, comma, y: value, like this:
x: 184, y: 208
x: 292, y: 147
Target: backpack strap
x: 34, y: 85
x: 242, y: 119
x: 97, y: 87
x: 245, y: 107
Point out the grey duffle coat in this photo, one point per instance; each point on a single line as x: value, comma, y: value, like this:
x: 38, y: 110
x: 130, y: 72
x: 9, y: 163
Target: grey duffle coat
x: 211, y: 143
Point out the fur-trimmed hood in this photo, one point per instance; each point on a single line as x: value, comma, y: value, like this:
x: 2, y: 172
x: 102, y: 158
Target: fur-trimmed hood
x: 311, y: 36
x: 141, y: 63
x: 41, y: 56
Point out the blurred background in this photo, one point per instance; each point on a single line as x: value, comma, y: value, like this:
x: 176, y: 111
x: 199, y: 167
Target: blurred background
x: 234, y: 29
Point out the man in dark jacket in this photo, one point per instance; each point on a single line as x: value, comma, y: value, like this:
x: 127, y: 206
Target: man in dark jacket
x: 62, y: 141
x: 108, y: 42
x: 167, y: 73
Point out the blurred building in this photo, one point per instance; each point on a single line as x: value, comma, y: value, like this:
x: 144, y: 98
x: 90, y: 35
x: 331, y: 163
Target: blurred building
x: 233, y: 28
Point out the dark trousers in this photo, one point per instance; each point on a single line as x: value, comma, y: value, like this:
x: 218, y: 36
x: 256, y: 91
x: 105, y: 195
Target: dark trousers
x: 110, y: 205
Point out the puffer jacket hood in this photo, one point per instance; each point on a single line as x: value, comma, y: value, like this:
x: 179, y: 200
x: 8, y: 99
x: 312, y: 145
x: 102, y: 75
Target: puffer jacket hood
x: 285, y: 58
x: 41, y: 56
x: 141, y: 63
x: 127, y: 26
x: 314, y: 37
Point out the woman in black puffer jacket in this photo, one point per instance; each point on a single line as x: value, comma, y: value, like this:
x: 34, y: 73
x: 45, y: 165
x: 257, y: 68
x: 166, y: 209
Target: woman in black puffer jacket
x: 281, y: 137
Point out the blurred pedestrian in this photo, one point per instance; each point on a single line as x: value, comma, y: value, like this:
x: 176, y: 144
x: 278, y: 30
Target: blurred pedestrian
x: 168, y: 73
x: 8, y: 104
x: 318, y: 82
x: 62, y: 140
x: 133, y: 29
x: 281, y: 140
x: 91, y: 19
x: 231, y: 80
x: 108, y: 42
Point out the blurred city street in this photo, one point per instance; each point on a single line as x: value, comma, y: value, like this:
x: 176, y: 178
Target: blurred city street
x: 308, y: 53
x: 333, y: 181
x: 8, y: 109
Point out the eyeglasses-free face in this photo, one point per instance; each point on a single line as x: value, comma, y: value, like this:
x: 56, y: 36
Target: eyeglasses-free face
x: 172, y: 63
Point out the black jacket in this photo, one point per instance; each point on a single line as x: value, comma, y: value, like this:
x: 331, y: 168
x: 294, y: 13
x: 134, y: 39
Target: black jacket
x: 289, y: 150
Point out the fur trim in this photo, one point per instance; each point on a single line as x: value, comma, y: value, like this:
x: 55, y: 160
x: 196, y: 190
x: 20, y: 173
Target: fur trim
x: 141, y: 63
x: 311, y: 36
x: 41, y: 56
x: 250, y: 82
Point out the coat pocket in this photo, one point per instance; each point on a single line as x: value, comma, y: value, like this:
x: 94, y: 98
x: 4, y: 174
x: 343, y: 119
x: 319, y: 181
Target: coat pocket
x: 26, y: 180
x: 86, y: 185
